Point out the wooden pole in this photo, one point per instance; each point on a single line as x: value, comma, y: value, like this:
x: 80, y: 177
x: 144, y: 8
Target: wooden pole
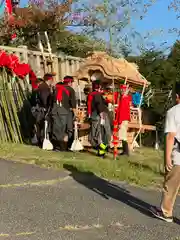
x: 115, y: 128
x: 140, y: 116
x: 49, y: 50
x: 42, y: 51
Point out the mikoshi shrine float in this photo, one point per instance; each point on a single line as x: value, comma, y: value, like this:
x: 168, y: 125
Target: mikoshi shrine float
x: 112, y: 71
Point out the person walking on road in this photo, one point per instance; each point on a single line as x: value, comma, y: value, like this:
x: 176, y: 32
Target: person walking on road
x: 172, y: 161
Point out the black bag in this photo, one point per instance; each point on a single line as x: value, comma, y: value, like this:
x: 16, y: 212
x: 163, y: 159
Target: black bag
x: 38, y: 113
x: 177, y: 144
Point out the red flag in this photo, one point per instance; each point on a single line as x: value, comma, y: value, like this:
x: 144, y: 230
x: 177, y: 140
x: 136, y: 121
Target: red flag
x: 9, y: 7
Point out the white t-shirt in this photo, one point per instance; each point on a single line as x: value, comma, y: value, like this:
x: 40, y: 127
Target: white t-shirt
x: 172, y: 124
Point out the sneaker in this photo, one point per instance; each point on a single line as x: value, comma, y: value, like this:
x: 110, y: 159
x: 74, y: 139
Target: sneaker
x: 159, y: 214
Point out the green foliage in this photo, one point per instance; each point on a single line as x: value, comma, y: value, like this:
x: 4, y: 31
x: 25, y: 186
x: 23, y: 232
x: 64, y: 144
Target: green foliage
x: 108, y: 20
x: 162, y: 71
x: 78, y: 45
x: 28, y: 21
x: 174, y: 61
x: 53, y: 18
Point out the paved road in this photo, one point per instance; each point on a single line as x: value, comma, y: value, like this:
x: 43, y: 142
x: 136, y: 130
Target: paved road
x: 52, y: 205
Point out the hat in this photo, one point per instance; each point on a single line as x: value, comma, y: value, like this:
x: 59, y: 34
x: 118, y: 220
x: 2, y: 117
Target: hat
x: 123, y: 87
x: 68, y: 79
x: 49, y: 76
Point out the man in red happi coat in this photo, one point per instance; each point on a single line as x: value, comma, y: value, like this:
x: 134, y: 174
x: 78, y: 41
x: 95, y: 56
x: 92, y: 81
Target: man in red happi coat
x: 63, y: 114
x: 100, y: 130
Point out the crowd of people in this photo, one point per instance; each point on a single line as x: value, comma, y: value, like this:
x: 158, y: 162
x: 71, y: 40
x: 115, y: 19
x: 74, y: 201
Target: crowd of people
x: 58, y: 106
x: 124, y: 100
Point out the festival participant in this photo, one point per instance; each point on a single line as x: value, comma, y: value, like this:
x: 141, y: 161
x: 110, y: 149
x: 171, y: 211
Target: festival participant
x: 100, y: 132
x: 172, y: 161
x: 63, y: 112
x: 42, y: 106
x: 124, y: 101
x: 108, y: 96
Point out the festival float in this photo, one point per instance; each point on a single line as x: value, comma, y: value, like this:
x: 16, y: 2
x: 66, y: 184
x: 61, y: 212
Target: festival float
x: 112, y: 72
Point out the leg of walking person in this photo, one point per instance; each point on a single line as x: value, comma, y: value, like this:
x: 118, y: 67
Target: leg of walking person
x: 170, y: 190
x: 123, y: 137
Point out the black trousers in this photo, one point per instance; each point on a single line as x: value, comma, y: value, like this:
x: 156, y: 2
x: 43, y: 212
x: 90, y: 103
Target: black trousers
x: 62, y: 125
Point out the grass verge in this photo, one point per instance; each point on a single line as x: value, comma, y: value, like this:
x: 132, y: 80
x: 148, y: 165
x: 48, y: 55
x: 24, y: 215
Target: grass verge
x: 143, y: 167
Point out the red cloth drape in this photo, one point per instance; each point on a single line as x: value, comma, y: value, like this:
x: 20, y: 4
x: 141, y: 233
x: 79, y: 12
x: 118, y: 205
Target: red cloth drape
x: 22, y: 69
x: 33, y: 79
x: 5, y: 60
x: 89, y: 102
x: 11, y: 62
x: 60, y: 88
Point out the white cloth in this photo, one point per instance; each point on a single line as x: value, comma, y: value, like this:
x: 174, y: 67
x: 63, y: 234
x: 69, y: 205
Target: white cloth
x: 172, y: 124
x: 102, y: 122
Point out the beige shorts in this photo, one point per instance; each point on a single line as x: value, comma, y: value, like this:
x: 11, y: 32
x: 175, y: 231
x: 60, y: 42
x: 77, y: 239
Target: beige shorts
x: 123, y: 131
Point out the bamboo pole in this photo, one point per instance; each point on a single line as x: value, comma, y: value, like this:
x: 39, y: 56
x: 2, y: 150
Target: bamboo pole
x: 12, y: 109
x: 25, y: 109
x: 4, y: 135
x: 12, y: 99
x: 6, y: 110
x: 16, y: 110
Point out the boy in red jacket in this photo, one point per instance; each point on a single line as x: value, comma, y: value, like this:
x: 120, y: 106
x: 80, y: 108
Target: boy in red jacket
x: 124, y: 101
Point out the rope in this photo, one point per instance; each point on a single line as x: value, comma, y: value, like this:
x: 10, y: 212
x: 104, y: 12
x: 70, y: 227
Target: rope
x: 115, y: 128
x: 139, y: 116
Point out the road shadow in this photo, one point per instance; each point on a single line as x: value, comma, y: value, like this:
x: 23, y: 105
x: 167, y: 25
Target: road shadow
x: 108, y: 190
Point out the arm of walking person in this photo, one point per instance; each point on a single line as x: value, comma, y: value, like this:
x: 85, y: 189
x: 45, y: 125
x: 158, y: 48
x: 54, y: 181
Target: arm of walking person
x: 170, y: 131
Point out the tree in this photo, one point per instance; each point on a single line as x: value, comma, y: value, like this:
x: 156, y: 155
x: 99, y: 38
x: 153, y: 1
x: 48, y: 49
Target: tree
x: 162, y: 71
x: 78, y: 45
x: 106, y: 20
x: 27, y: 22
x: 174, y: 60
x: 175, y: 5
x: 46, y: 16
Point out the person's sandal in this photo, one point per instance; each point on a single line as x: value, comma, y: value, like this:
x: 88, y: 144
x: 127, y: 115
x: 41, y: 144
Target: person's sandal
x: 159, y: 214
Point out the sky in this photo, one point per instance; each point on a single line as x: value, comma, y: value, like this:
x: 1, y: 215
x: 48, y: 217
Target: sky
x: 159, y: 18
x: 156, y: 22
x: 156, y: 19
